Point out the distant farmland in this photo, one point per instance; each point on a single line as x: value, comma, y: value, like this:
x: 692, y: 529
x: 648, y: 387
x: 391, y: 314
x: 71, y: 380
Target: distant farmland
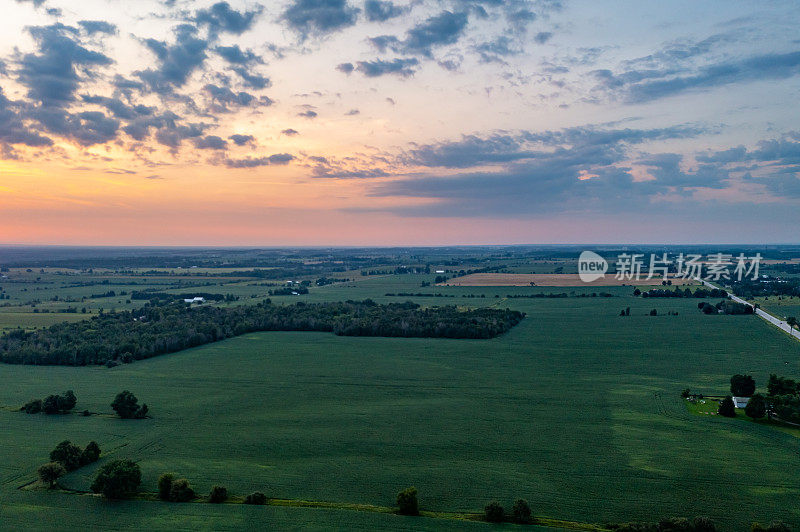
x: 550, y: 279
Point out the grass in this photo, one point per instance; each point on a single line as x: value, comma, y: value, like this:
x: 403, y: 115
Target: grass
x: 576, y: 410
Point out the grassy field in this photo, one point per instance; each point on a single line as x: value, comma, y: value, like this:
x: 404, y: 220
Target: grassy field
x: 577, y: 410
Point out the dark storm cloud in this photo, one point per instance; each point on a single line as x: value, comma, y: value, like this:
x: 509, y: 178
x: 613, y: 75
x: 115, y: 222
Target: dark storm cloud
x: 278, y: 159
x: 644, y: 85
x: 98, y: 26
x: 242, y: 140
x: 319, y: 17
x: 235, y: 55
x: 221, y: 18
x: 381, y: 11
x: 51, y: 74
x: 379, y: 67
x: 177, y: 61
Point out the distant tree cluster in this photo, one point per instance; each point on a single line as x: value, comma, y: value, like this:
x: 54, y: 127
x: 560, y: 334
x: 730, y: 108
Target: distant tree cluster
x: 678, y: 292
x: 159, y: 329
x: 126, y: 405
x: 726, y: 306
x: 52, y: 404
x: 145, y: 295
x: 72, y: 457
x: 673, y: 524
x: 174, y: 489
x: 118, y: 479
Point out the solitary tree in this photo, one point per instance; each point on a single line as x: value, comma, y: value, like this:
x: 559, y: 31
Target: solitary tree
x: 756, y: 407
x: 90, y: 454
x: 494, y: 513
x: 51, y: 472
x: 742, y: 386
x: 407, y: 501
x: 256, y: 498
x: 521, y: 512
x: 126, y: 405
x: 118, y: 479
x: 727, y: 408
x: 792, y: 321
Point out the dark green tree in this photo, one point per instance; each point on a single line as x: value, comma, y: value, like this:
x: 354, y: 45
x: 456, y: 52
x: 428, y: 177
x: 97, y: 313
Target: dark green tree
x: 118, y: 479
x: 181, y: 491
x: 126, y: 405
x: 791, y: 321
x: 407, y: 501
x: 165, y: 485
x: 90, y: 454
x: 33, y: 406
x: 703, y: 524
x: 67, y: 454
x: 727, y: 408
x: 742, y: 386
x: 756, y: 407
x: 51, y: 472
x: 521, y: 512
x: 67, y: 401
x: 494, y: 513
x: 218, y: 495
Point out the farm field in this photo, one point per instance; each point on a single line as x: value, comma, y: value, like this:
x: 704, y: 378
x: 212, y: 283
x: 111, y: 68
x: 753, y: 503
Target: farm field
x: 555, y: 279
x: 588, y: 427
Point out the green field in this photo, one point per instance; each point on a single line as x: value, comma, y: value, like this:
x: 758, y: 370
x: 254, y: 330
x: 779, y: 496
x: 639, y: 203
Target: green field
x: 576, y: 409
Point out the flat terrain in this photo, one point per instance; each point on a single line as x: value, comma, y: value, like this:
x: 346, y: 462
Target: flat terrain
x: 555, y: 279
x: 576, y: 409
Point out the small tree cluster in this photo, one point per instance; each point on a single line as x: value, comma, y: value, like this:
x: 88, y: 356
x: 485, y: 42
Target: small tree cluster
x: 256, y: 498
x: 174, y: 489
x: 52, y: 404
x: 126, y: 405
x: 218, y: 495
x: 71, y: 457
x: 672, y: 524
x: 118, y: 479
x: 756, y: 407
x: 51, y: 472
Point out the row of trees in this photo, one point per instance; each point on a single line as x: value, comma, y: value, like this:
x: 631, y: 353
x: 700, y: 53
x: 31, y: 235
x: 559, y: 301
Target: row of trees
x: 725, y: 306
x: 52, y: 404
x: 160, y: 329
x: 677, y: 292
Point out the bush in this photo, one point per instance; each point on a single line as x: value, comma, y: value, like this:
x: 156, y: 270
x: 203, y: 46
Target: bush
x: 165, y: 485
x: 218, y: 494
x: 90, y: 454
x: 181, y: 491
x: 727, y: 408
x: 50, y: 472
x: 494, y: 513
x: 33, y: 406
x: 521, y: 512
x: 67, y: 454
x: 256, y: 498
x: 774, y: 526
x: 118, y: 479
x: 126, y: 405
x: 407, y: 502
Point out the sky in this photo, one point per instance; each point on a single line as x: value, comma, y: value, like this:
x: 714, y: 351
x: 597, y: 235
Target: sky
x: 378, y: 122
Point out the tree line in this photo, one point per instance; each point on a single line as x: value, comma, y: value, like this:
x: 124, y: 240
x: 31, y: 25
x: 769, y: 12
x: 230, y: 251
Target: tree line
x: 159, y: 329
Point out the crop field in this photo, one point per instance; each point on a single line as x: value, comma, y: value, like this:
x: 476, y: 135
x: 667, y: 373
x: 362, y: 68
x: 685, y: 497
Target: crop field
x: 577, y: 409
x: 555, y: 279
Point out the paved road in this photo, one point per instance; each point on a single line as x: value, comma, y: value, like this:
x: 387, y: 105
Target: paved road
x: 768, y: 317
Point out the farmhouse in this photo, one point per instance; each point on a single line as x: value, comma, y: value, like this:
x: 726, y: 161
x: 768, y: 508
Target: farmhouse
x: 740, y: 402
x: 197, y: 300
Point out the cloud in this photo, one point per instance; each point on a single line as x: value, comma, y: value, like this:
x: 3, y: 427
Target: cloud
x: 439, y: 30
x: 496, y: 50
x: 242, y: 140
x: 13, y: 129
x: 308, y: 113
x: 543, y: 36
x: 51, y: 75
x: 36, y: 3
x: 172, y: 134
x: 253, y: 162
x: 319, y: 17
x: 221, y: 18
x: 290, y: 132
x: 210, y: 142
x: 379, y: 67
x: 86, y: 127
x: 223, y: 97
x: 381, y: 11
x: 235, y: 55
x: 117, y: 107
x: 177, y: 62
x: 98, y: 26
x: 253, y: 79
x: 345, y: 68
x: 644, y: 85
